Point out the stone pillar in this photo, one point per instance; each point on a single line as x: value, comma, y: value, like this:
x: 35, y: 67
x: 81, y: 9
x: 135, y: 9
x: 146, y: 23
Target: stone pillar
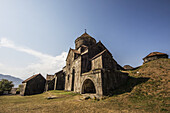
x: 46, y: 86
x: 55, y: 84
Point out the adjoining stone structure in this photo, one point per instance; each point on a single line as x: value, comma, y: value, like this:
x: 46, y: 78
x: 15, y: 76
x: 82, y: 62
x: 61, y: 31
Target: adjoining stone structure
x: 90, y: 68
x: 33, y: 85
x: 128, y: 67
x: 50, y: 81
x: 59, y: 80
x: 154, y: 56
x: 55, y: 82
x: 14, y: 91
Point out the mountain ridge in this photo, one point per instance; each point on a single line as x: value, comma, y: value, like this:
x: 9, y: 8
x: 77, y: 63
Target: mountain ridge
x: 16, y: 81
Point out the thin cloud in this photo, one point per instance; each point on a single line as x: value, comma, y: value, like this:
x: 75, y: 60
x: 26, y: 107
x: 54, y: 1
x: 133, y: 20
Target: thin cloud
x: 4, y: 42
x: 46, y: 63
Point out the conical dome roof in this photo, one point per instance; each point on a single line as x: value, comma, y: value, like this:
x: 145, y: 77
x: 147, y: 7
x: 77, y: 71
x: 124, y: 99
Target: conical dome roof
x: 84, y: 39
x: 85, y: 35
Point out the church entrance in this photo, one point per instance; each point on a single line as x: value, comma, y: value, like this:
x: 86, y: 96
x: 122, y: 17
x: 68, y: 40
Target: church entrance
x: 88, y: 87
x: 73, y: 75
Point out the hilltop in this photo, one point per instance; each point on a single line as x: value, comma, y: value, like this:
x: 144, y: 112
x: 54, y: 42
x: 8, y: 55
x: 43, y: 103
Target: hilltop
x: 146, y: 91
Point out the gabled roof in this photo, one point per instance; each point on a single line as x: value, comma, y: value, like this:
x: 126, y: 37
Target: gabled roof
x: 154, y: 54
x: 101, y: 54
x: 105, y: 49
x: 28, y: 79
x: 75, y: 51
x: 99, y: 44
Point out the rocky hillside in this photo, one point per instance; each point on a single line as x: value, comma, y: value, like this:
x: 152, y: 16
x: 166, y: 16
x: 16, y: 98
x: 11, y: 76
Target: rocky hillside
x: 16, y: 81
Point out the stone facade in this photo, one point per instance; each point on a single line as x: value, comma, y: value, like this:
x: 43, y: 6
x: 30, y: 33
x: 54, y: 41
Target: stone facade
x: 33, y: 85
x: 154, y: 56
x: 50, y: 81
x: 56, y: 81
x: 14, y: 91
x: 59, y: 80
x: 90, y: 68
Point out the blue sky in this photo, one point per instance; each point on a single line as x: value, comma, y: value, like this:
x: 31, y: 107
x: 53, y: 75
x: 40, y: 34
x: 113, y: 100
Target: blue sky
x: 35, y: 35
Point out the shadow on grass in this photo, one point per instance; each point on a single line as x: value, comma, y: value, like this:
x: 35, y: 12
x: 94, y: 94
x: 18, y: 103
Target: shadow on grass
x: 128, y: 87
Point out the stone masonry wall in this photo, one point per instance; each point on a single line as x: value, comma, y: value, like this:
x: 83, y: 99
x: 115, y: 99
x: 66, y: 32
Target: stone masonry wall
x: 112, y: 79
x: 35, y: 86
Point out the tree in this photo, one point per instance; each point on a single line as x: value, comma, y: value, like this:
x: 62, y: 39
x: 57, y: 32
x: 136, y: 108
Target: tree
x: 5, y: 85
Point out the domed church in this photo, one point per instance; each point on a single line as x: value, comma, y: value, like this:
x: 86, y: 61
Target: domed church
x: 90, y: 68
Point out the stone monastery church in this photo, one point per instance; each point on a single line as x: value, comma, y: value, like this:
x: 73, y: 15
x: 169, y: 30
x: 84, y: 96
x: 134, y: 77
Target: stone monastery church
x: 90, y: 68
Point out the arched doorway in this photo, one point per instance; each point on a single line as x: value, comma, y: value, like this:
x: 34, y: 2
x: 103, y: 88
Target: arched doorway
x: 73, y: 75
x: 88, y: 87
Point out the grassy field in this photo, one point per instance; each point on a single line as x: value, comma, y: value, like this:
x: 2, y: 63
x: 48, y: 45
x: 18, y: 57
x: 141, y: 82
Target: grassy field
x: 146, y: 91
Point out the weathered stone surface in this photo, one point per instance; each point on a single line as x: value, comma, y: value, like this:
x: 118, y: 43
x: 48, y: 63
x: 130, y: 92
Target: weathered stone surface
x: 33, y: 85
x: 56, y: 81
x: 50, y: 81
x: 91, y: 69
x: 14, y: 91
x: 59, y: 80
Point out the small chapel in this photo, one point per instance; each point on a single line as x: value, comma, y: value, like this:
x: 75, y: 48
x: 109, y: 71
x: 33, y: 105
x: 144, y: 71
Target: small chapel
x: 90, y: 68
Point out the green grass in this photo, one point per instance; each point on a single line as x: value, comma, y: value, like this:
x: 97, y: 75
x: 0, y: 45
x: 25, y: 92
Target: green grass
x: 138, y: 95
x: 71, y: 102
